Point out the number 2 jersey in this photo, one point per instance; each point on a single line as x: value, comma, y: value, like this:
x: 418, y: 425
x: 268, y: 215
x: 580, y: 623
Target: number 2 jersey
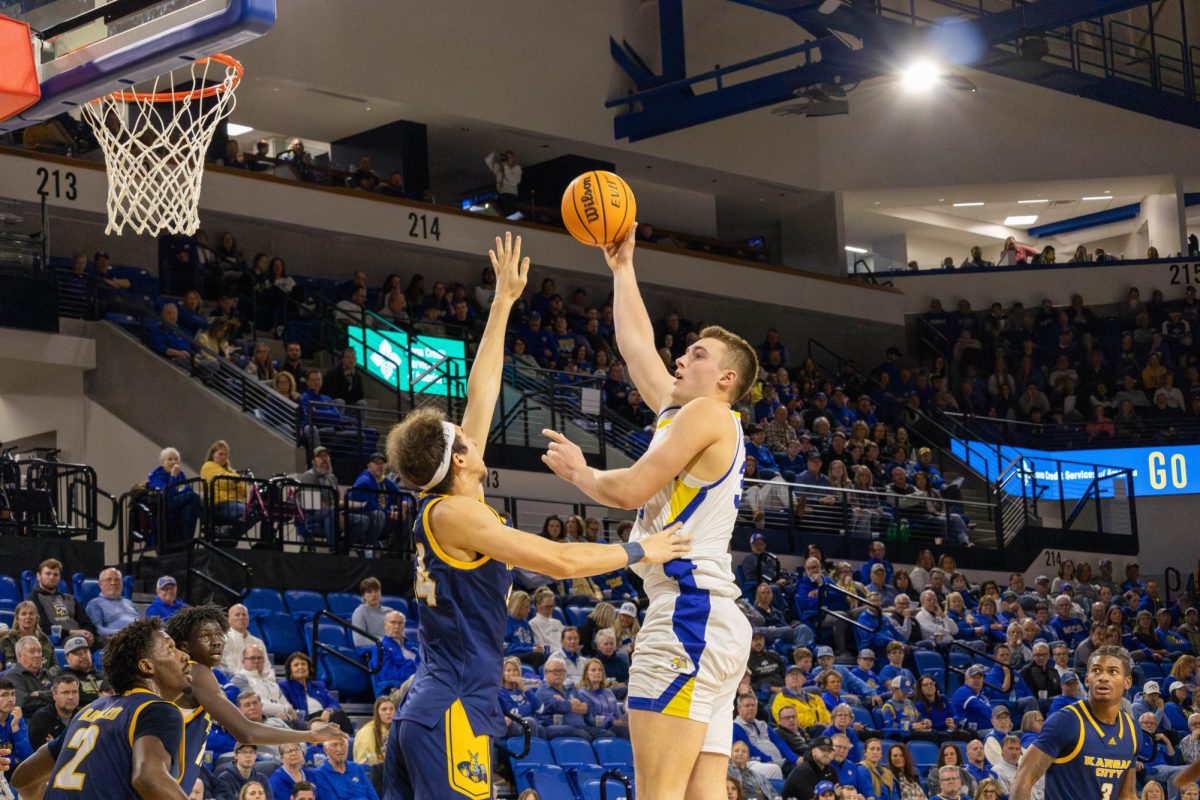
x: 1090, y: 757
x: 93, y: 758
x: 463, y: 612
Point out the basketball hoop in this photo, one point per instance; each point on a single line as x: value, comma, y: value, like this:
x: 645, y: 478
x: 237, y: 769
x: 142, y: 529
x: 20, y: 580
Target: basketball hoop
x: 154, y: 144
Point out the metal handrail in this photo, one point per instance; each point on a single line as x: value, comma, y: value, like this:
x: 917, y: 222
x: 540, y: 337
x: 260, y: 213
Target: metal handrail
x: 617, y: 775
x: 320, y: 646
x: 957, y: 645
x: 822, y: 611
x: 526, y: 736
x: 247, y: 570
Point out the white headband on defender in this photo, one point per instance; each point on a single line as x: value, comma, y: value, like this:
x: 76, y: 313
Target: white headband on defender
x: 439, y: 474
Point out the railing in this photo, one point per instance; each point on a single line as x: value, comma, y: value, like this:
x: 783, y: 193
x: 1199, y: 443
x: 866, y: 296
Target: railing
x: 1120, y: 432
x: 247, y: 572
x: 1172, y: 582
x: 319, y: 647
x: 824, y: 611
x: 975, y: 653
x: 50, y: 498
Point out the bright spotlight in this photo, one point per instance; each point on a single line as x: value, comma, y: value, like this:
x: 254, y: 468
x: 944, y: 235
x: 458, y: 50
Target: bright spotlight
x: 920, y: 76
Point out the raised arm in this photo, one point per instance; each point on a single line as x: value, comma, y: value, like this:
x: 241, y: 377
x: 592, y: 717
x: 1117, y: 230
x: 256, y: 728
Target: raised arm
x: 466, y: 524
x: 1033, y: 766
x: 483, y: 386
x: 206, y: 690
x: 697, y: 425
x: 635, y: 334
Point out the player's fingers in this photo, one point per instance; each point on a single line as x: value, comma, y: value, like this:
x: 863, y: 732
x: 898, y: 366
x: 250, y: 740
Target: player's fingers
x: 516, y: 251
x: 523, y: 270
x: 675, y: 527
x: 495, y: 261
x: 553, y: 435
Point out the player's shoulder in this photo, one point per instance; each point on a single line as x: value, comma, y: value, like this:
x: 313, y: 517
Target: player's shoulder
x: 703, y: 407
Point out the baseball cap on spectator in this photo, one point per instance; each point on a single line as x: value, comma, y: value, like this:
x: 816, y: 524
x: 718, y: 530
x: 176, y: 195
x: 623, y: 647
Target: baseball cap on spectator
x: 164, y: 582
x: 824, y: 651
x: 99, y: 255
x: 1191, y: 610
x: 867, y: 652
x: 822, y: 788
x: 629, y: 609
x: 902, y: 683
x: 806, y: 437
x: 1008, y: 594
x: 794, y: 668
x: 1042, y: 579
x: 1151, y: 687
x: 1104, y: 562
x: 1069, y: 678
x: 757, y: 537
x: 822, y: 743
x: 756, y: 428
x: 319, y: 449
x: 1062, y: 587
x: 75, y: 643
x: 1000, y: 711
x: 838, y: 434
x: 976, y: 669
x: 242, y: 745
x: 377, y: 457
x: 923, y: 451
x: 820, y: 396
x: 879, y: 567
x: 813, y: 455
x: 1170, y: 689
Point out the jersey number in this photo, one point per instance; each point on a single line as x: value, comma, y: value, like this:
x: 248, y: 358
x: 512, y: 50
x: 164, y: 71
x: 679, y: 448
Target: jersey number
x: 1106, y: 791
x: 82, y: 742
x: 426, y: 587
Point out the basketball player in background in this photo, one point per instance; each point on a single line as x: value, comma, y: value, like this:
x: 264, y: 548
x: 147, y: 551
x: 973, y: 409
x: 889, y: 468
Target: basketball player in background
x: 439, y: 745
x: 694, y: 644
x: 1087, y: 749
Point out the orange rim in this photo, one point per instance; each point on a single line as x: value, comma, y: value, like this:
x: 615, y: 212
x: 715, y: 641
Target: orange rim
x: 194, y: 94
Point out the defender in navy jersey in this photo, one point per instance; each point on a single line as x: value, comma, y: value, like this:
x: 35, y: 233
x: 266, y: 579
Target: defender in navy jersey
x: 439, y: 745
x: 125, y: 747
x: 199, y: 632
x: 1088, y: 750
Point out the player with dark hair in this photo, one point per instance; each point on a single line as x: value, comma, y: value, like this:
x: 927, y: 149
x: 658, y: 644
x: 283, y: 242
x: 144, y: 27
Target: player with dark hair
x: 199, y: 632
x: 694, y: 643
x: 440, y: 741
x: 1087, y: 749
x: 124, y: 747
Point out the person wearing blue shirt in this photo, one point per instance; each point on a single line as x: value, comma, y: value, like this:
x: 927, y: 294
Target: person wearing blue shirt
x: 166, y: 603
x: 765, y: 743
x: 900, y: 716
x: 1133, y: 580
x: 842, y: 723
x: 183, y: 505
x: 109, y: 611
x: 616, y: 585
x: 373, y: 501
x: 808, y: 591
x: 895, y: 667
x: 878, y: 555
x: 1067, y: 628
x: 843, y: 764
x: 305, y: 693
x: 1010, y: 686
x: 339, y: 779
x: 970, y: 708
x: 1168, y: 639
x: 399, y: 663
x: 519, y: 640
x: 976, y: 764
x: 604, y: 711
x: 539, y: 342
x: 850, y: 683
x: 865, y: 671
x: 519, y: 701
x: 1072, y: 692
x: 767, y: 468
x: 558, y: 710
x: 230, y: 778
x: 325, y: 415
x: 13, y: 730
x: 291, y: 771
x: 1174, y: 708
x: 871, y: 617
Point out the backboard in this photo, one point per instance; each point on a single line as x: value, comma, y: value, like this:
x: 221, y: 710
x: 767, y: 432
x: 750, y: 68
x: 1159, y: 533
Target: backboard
x: 88, y: 48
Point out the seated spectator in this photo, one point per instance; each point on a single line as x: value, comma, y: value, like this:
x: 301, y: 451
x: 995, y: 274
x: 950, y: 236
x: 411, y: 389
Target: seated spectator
x: 82, y: 667
x: 626, y: 627
x: 51, y: 720
x: 59, y: 613
x: 399, y: 662
x: 993, y: 740
x: 256, y: 676
x: 766, y: 667
x: 569, y: 653
x: 230, y: 779
x: 808, y: 708
x: 166, y: 603
x: 950, y: 774
x: 320, y: 501
x: 319, y: 415
x: 30, y: 676
x: 353, y: 310
x: 1008, y: 682
x: 815, y: 772
x: 262, y: 366
x: 604, y: 712
x: 237, y: 638
x: 285, y: 384
x: 560, y: 712
x: 518, y: 636
x: 841, y: 722
x: 370, y: 615
x: 1155, y: 752
x: 291, y: 777
x: 1041, y: 677
x: 970, y: 708
x: 616, y: 662
x: 308, y: 696
x: 547, y: 631
x: 344, y: 382
x: 374, y: 504
x: 167, y: 339
x: 761, y: 566
x: 370, y: 743
x: 226, y: 493
x: 250, y: 703
x: 182, y: 504
x: 743, y: 783
x: 767, y: 749
x: 14, y: 730
x: 519, y: 700
x: 25, y: 623
x: 109, y: 611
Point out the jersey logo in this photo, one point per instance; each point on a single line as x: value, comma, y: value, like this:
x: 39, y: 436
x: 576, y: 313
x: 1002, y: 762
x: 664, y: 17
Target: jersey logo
x: 681, y: 664
x: 1111, y: 740
x: 472, y: 769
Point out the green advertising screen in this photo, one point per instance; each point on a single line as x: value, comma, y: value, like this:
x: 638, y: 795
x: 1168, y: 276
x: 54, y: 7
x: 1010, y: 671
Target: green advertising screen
x: 386, y: 355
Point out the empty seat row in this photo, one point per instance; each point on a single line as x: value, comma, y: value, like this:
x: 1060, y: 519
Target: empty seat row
x: 305, y: 601
x: 567, y: 768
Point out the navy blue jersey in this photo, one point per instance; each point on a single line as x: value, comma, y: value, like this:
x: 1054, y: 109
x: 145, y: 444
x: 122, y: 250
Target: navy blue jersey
x: 463, y: 613
x: 1090, y: 758
x: 197, y: 724
x: 94, y: 756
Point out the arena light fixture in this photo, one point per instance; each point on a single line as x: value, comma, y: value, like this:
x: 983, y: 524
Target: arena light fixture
x: 920, y: 76
x: 233, y: 129
x: 1021, y: 219
x: 1030, y: 202
x: 1098, y: 197
x: 859, y: 250
x: 967, y: 205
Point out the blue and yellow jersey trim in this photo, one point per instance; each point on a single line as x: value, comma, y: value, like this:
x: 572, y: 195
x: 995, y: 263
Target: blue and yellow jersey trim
x: 1086, y: 719
x: 426, y: 525
x: 133, y: 721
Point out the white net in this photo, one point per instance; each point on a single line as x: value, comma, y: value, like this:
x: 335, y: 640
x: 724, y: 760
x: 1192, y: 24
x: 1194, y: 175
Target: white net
x: 154, y: 145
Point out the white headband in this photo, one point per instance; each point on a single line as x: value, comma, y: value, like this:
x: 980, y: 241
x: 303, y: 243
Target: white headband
x: 439, y: 474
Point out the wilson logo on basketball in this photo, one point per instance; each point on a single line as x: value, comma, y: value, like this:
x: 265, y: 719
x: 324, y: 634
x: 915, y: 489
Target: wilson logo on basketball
x: 587, y: 200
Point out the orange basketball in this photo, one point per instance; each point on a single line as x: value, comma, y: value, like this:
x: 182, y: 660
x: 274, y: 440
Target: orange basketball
x: 598, y: 208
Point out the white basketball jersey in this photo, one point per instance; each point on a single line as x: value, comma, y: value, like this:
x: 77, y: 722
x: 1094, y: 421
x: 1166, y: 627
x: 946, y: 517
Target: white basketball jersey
x: 708, y: 511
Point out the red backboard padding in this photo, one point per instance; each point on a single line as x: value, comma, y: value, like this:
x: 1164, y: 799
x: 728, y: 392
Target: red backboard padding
x: 19, y: 88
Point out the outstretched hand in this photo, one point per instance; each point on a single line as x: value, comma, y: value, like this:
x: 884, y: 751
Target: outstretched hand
x: 512, y: 271
x: 563, y: 456
x: 325, y: 732
x: 619, y: 255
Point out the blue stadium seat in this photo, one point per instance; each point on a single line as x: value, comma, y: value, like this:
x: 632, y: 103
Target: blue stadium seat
x: 863, y: 715
x: 6, y: 617
x: 576, y: 615
x: 551, y: 784
x: 61, y: 655
x: 281, y: 635
x: 591, y: 790
x: 303, y: 600
x: 583, y: 775
x: 960, y: 659
x: 927, y: 660
x: 331, y: 634
x: 571, y: 752
x: 29, y: 579
x: 396, y: 603
x: 558, y: 615
x: 88, y: 590
x: 538, y: 758
x: 343, y: 603
x: 613, y: 752
x: 263, y: 600
x: 925, y: 755
x: 412, y: 637
x: 353, y: 684
x: 8, y: 589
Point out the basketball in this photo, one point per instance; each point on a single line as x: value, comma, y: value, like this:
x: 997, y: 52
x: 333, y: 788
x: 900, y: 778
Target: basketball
x: 598, y: 208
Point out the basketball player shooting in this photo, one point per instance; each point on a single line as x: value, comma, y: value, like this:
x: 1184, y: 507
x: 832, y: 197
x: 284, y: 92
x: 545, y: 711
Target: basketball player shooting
x: 694, y: 644
x: 1087, y: 750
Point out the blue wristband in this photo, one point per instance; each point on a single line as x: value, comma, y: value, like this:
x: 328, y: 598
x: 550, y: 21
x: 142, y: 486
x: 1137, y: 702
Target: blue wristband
x: 634, y: 552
